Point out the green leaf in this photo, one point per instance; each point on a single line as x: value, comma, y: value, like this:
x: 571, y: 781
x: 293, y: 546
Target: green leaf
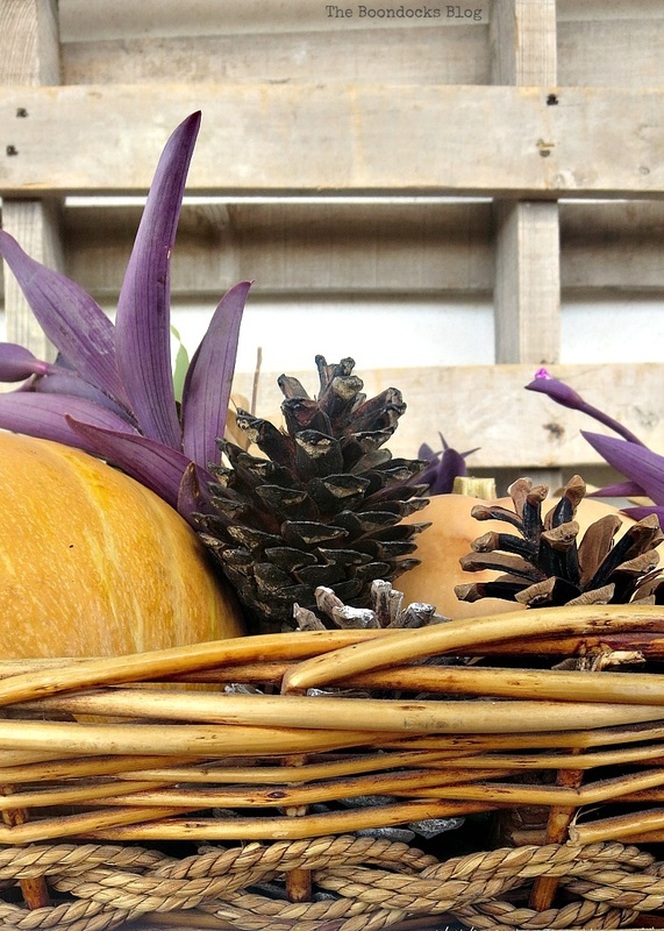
x: 180, y: 365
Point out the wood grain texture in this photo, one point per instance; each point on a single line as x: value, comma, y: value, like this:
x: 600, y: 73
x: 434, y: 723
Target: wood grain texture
x: 597, y: 45
x: 605, y: 52
x: 338, y: 56
x: 494, y: 141
x: 615, y: 247
x: 527, y: 288
x: 297, y: 248
x: 527, y: 280
x: 523, y: 42
x: 125, y: 19
x: 29, y: 50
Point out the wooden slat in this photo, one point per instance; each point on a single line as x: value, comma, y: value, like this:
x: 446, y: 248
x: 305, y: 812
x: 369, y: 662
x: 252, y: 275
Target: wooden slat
x: 607, y: 248
x: 527, y: 282
x: 487, y: 406
x: 598, y: 45
x: 610, y: 53
x: 125, y: 19
x: 523, y: 42
x: 340, y: 55
x: 29, y: 42
x: 613, y: 247
x: 527, y: 289
x: 488, y: 140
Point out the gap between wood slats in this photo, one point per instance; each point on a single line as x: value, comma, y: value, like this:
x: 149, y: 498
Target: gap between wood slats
x: 331, y: 248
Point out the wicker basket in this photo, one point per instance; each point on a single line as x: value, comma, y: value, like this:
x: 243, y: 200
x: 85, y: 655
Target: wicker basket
x: 127, y: 805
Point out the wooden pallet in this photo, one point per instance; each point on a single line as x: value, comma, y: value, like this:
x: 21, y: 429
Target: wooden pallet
x: 506, y: 151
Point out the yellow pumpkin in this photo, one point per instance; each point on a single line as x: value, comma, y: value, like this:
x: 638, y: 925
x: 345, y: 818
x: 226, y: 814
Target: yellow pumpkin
x: 442, y: 545
x: 93, y: 563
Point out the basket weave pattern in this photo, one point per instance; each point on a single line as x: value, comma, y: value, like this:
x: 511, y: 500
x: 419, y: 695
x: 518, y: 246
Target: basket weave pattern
x: 378, y: 885
x: 95, y: 759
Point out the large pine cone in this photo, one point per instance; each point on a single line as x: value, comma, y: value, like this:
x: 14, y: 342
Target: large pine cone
x: 325, y: 506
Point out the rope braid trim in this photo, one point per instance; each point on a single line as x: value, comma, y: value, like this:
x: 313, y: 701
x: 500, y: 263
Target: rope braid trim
x: 362, y: 884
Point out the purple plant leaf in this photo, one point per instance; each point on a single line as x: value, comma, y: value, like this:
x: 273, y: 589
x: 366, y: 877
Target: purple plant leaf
x: 638, y: 513
x: 619, y: 490
x: 150, y: 462
x: 442, y: 475
x: 142, y: 324
x: 17, y: 363
x: 44, y: 416
x: 443, y: 467
x: 69, y: 317
x: 67, y: 383
x: 207, y: 386
x: 193, y: 493
x: 556, y: 390
x: 638, y: 463
x: 426, y: 452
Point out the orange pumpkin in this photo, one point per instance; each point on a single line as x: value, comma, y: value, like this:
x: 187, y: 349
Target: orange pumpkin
x: 442, y: 545
x: 93, y: 563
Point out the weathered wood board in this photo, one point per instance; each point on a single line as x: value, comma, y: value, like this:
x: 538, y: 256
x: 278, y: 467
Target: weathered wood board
x: 491, y: 141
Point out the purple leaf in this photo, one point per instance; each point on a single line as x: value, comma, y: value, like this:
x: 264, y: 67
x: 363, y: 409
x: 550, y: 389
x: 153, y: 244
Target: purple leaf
x: 426, y: 452
x: 17, y: 363
x: 66, y: 382
x: 639, y: 513
x: 142, y: 325
x: 193, y: 494
x: 444, y: 467
x: 69, y: 317
x: 207, y: 386
x: 619, y: 490
x: 44, y: 416
x: 638, y: 463
x: 441, y: 476
x: 150, y: 462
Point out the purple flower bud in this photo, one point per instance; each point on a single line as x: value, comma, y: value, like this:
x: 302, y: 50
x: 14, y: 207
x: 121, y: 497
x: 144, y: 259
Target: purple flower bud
x: 556, y: 390
x: 562, y: 394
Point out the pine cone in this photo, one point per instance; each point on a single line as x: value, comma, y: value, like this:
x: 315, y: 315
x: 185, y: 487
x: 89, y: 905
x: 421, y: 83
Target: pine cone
x: 325, y: 506
x: 387, y: 610
x: 545, y: 565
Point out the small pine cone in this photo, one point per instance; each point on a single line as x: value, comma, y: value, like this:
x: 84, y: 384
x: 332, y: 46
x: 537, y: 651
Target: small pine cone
x: 544, y: 564
x: 387, y: 610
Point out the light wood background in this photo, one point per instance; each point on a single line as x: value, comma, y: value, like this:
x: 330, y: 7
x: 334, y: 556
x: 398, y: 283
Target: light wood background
x: 513, y: 156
